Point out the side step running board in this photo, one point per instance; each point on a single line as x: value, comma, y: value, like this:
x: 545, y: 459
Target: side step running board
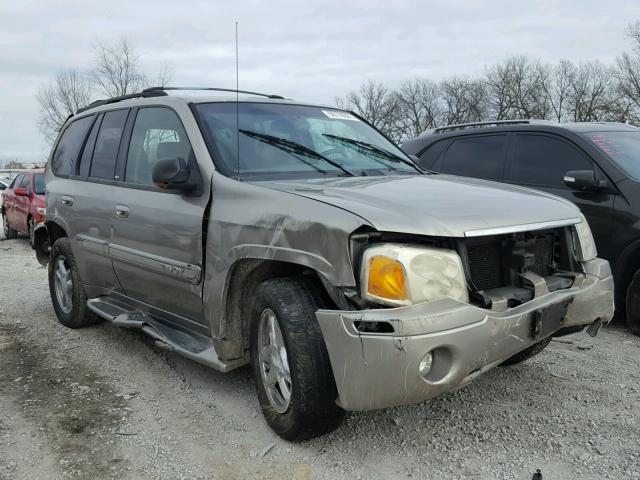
x: 193, y: 346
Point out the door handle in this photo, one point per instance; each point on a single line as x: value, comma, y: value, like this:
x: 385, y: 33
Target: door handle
x: 121, y: 211
x: 66, y: 200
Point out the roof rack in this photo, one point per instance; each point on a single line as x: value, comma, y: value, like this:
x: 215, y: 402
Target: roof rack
x: 162, y: 92
x: 213, y: 89
x: 107, y: 101
x: 489, y: 123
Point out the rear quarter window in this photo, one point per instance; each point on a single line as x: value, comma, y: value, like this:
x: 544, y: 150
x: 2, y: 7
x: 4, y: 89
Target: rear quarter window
x: 69, y: 145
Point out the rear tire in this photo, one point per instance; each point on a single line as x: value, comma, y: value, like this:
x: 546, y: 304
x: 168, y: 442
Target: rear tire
x: 633, y: 304
x: 527, y: 353
x: 8, y: 231
x: 300, y: 403
x: 67, y: 294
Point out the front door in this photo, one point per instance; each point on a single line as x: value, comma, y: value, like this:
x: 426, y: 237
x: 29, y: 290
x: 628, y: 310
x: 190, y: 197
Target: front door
x: 540, y: 161
x: 156, y: 235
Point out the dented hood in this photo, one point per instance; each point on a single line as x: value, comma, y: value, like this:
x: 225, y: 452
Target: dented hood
x: 436, y: 205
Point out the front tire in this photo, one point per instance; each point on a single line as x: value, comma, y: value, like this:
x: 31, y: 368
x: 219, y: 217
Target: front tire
x: 8, y: 231
x: 67, y: 294
x: 527, y: 353
x: 633, y: 304
x: 290, y: 363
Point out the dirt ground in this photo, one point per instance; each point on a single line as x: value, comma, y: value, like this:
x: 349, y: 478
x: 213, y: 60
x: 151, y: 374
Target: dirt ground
x: 104, y: 402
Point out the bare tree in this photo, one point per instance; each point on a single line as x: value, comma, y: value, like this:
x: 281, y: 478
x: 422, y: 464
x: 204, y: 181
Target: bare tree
x: 14, y: 165
x: 420, y: 107
x: 117, y: 71
x: 377, y: 104
x: 591, y: 92
x: 464, y: 100
x: 628, y: 70
x: 62, y: 97
x: 556, y: 83
x: 515, y: 89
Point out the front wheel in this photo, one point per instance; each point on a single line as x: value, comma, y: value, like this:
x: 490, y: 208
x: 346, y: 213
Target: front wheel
x: 290, y: 362
x: 67, y: 294
x: 633, y: 304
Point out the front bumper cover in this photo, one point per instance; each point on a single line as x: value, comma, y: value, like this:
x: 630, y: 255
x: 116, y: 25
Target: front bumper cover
x: 377, y: 370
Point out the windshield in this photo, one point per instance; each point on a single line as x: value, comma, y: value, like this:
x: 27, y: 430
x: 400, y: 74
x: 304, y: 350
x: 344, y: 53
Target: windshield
x: 622, y: 147
x: 39, y: 184
x: 294, y: 141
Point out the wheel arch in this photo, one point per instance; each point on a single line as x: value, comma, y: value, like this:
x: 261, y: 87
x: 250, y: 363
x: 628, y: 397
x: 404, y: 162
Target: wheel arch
x: 626, y: 265
x: 45, y: 234
x: 244, y: 276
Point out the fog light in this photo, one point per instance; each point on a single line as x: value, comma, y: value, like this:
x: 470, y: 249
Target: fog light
x: 425, y: 364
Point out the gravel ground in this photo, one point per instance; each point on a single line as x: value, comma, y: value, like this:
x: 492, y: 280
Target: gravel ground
x: 106, y: 403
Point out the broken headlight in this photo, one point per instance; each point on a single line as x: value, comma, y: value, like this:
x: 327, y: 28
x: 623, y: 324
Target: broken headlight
x: 583, y: 243
x: 394, y: 274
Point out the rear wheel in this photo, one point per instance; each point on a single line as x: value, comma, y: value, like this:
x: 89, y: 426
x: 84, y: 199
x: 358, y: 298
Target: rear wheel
x: 290, y: 362
x: 527, y: 353
x: 633, y: 304
x: 8, y: 231
x: 67, y: 294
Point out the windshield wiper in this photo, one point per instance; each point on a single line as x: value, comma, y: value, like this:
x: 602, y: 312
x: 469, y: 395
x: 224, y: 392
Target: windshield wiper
x: 370, y: 148
x: 292, y: 147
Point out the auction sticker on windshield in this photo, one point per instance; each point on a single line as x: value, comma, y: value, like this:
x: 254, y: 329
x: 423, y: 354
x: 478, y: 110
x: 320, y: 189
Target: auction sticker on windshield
x: 338, y: 115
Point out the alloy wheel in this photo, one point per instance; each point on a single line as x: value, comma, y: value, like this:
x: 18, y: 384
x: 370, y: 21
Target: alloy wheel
x: 273, y: 361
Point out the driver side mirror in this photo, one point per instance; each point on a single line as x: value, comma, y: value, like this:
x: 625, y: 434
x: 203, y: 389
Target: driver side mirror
x: 21, y: 192
x: 173, y: 174
x: 584, y: 180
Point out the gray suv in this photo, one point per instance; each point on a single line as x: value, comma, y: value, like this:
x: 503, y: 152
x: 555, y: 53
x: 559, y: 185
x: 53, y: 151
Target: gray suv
x: 297, y: 238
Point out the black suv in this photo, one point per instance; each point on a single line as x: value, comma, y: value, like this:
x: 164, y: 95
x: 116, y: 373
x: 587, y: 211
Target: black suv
x: 596, y: 165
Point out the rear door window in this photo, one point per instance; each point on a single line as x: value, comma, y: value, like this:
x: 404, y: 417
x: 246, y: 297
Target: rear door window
x: 543, y: 160
x: 39, y: 184
x: 478, y: 156
x: 68, y: 148
x: 105, y: 153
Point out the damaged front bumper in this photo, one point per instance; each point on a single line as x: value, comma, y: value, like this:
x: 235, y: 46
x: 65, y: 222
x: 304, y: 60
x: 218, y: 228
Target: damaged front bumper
x: 377, y: 370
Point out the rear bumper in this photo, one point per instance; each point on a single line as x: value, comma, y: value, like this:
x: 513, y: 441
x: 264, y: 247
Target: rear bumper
x: 376, y: 370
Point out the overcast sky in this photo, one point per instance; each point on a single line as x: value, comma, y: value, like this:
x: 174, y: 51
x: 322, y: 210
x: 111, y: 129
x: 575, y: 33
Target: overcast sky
x: 313, y: 50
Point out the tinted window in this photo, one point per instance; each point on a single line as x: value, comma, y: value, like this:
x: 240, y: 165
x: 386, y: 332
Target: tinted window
x: 26, y: 181
x: 87, y: 152
x: 430, y: 155
x: 38, y: 180
x: 105, y: 152
x: 17, y: 180
x: 68, y: 149
x: 478, y: 157
x: 157, y: 134
x: 543, y: 160
x: 623, y: 147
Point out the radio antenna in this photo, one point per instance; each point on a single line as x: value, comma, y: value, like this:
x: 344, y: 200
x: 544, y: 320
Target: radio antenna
x: 237, y: 110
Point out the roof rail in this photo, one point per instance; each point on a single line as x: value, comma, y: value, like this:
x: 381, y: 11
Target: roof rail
x: 107, y: 101
x: 162, y: 92
x: 489, y: 123
x: 214, y: 89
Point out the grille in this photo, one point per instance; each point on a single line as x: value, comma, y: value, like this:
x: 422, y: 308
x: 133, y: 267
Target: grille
x: 485, y: 265
x: 487, y: 260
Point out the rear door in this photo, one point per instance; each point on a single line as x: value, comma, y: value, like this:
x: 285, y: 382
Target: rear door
x: 156, y: 235
x: 81, y: 200
x: 9, y: 197
x: 477, y: 156
x: 541, y: 160
x: 21, y: 204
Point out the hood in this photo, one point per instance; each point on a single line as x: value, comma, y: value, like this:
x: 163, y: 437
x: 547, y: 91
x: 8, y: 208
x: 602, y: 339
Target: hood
x: 437, y: 205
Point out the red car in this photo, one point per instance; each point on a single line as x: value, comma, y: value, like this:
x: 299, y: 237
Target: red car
x: 23, y: 204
